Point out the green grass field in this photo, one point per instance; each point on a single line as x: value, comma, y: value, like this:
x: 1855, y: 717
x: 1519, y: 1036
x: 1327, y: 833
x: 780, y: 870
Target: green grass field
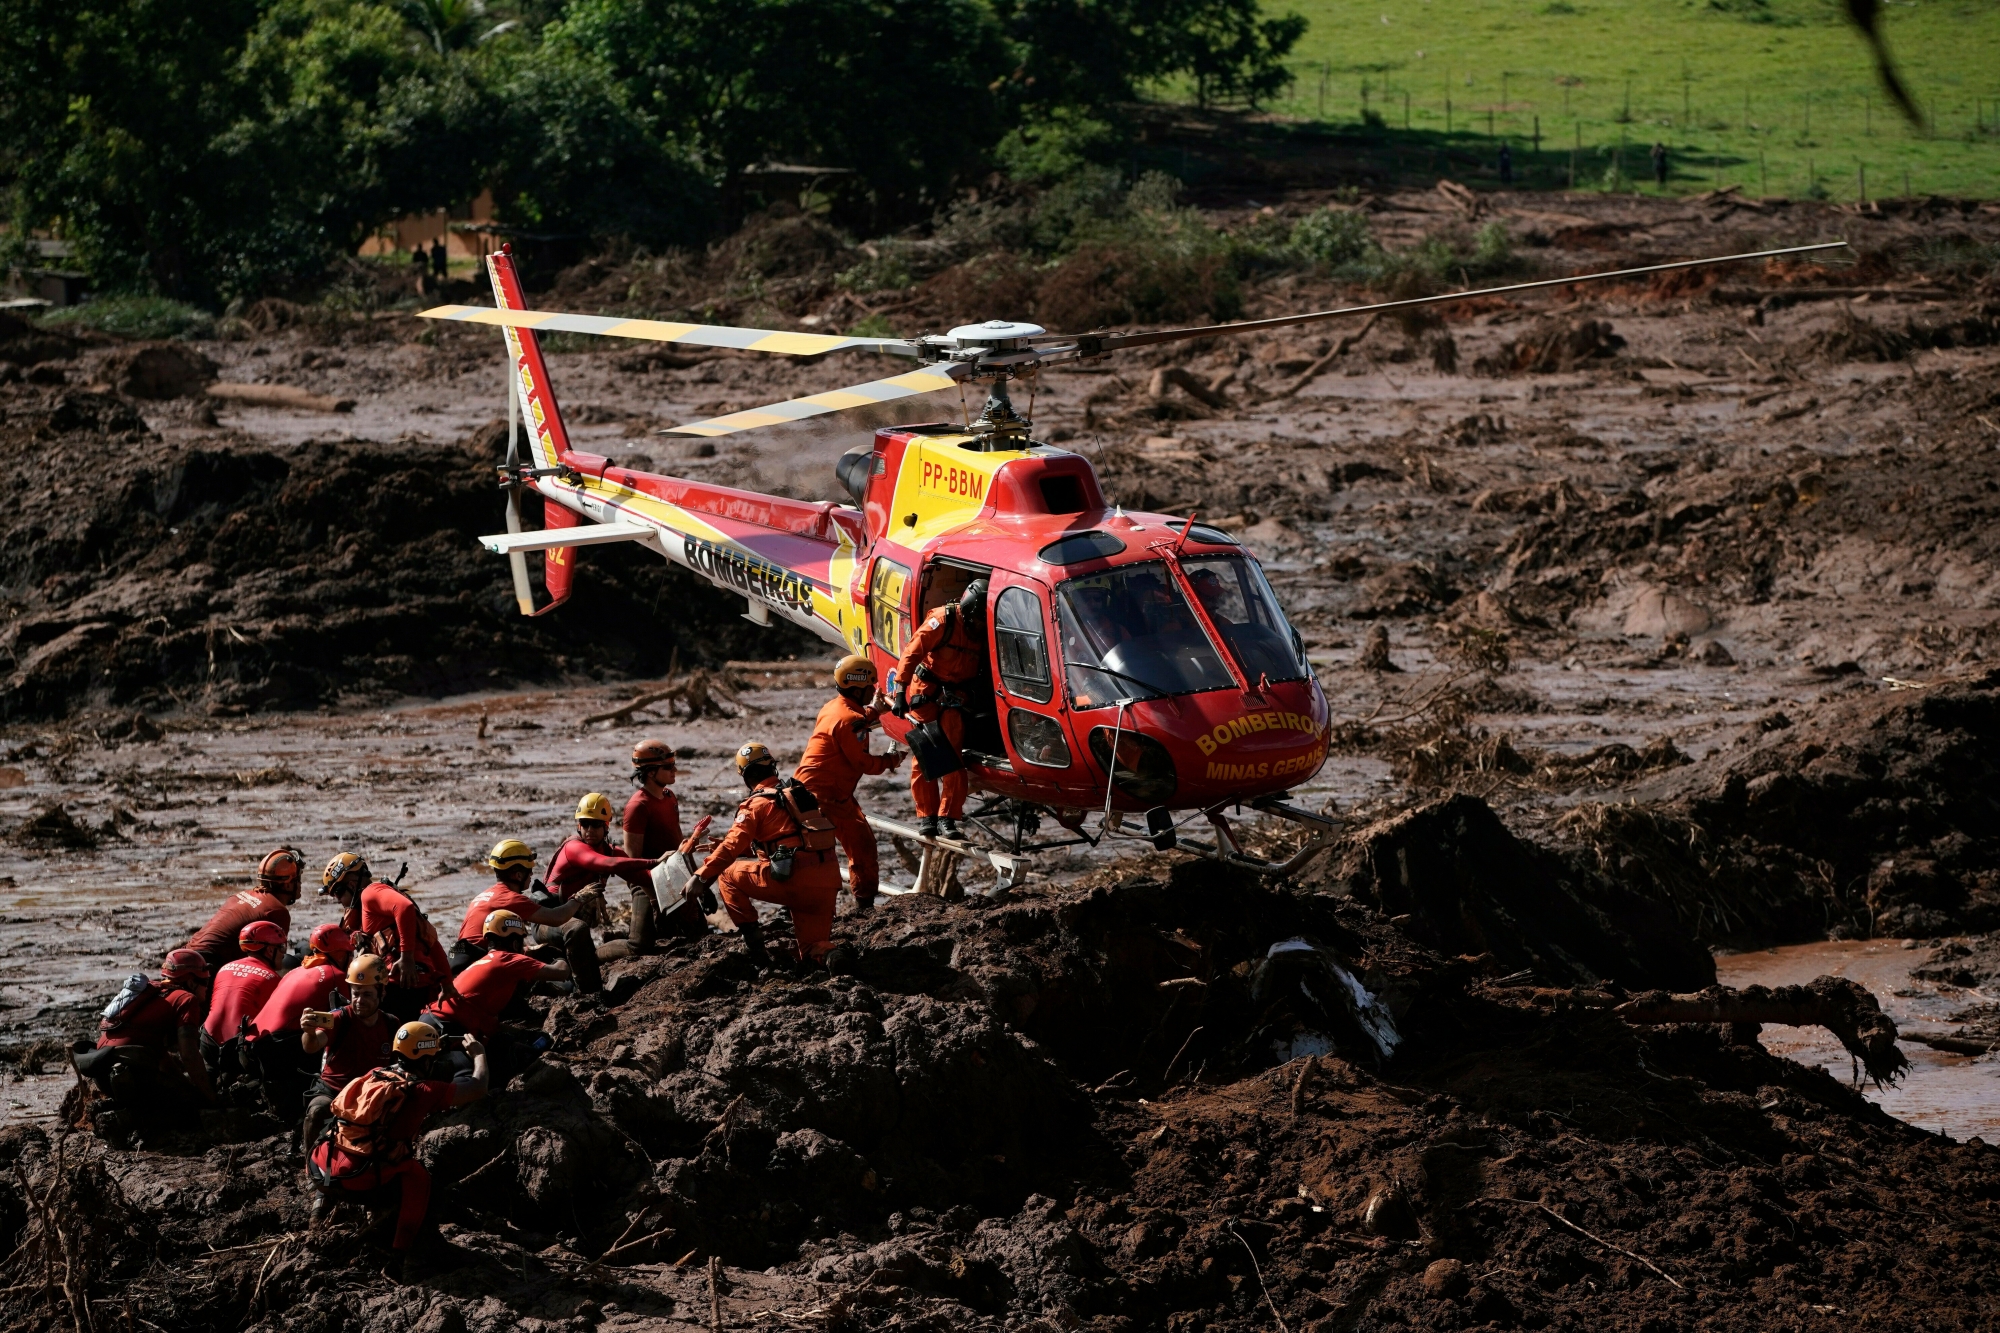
x: 1778, y: 96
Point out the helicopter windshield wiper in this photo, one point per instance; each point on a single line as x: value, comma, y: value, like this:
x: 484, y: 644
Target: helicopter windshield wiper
x: 1146, y: 684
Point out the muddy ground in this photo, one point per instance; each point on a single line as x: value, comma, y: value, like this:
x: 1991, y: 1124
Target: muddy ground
x: 1688, y: 624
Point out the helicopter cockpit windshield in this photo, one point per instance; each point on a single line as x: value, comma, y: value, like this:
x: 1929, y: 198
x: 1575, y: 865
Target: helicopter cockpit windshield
x: 1240, y: 604
x: 1128, y: 633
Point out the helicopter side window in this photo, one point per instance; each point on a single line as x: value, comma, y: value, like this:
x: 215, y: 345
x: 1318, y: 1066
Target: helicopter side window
x: 1128, y: 633
x: 1240, y: 603
x: 889, y: 607
x: 1023, y: 645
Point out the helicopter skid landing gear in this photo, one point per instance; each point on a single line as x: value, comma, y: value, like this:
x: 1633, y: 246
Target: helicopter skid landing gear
x: 936, y: 861
x: 1226, y: 848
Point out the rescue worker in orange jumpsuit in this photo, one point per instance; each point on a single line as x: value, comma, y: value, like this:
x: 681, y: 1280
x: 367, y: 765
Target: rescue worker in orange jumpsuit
x: 403, y: 935
x: 837, y: 758
x: 794, y: 863
x: 946, y: 656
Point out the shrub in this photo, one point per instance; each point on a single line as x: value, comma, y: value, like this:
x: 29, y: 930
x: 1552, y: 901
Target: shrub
x: 1333, y: 237
x: 146, y: 317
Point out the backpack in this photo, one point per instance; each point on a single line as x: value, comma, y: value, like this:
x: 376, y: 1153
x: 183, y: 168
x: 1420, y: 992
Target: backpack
x: 362, y: 1111
x: 116, y: 1014
x: 816, y: 832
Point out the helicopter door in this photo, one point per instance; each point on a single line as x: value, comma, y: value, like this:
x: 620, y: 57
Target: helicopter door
x: 1031, y: 718
x: 943, y: 580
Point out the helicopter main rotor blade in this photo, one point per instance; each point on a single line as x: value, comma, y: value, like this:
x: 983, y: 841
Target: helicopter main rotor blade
x: 663, y: 331
x: 1106, y: 342
x: 929, y: 379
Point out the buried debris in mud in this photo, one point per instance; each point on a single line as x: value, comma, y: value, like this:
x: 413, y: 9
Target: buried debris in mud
x: 1198, y: 1101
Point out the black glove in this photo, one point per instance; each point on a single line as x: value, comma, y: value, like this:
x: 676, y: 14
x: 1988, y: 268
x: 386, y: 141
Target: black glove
x: 703, y: 893
x: 900, y: 705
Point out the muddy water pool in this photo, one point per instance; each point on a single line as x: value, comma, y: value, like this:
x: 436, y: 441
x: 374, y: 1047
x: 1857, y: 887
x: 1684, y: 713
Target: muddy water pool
x: 1956, y: 1095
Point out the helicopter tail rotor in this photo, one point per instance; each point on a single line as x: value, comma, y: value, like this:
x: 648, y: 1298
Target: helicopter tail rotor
x: 517, y: 561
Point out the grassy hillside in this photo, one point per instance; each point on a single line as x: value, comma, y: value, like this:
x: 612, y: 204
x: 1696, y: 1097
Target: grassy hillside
x: 1776, y: 95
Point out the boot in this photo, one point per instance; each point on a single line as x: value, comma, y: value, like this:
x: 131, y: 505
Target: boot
x: 948, y: 827
x: 928, y: 826
x: 641, y: 933
x: 753, y: 943
x: 581, y: 951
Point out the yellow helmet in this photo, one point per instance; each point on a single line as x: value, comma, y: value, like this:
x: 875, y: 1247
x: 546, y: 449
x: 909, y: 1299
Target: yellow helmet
x: 753, y: 753
x: 853, y: 671
x: 367, y: 970
x: 510, y: 854
x: 339, y: 868
x: 503, y: 922
x: 417, y: 1041
x: 594, y: 805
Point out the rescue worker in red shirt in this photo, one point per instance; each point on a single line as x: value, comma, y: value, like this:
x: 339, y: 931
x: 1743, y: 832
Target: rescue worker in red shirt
x: 148, y: 1057
x: 348, y: 1040
x: 239, y: 991
x: 319, y: 980
x: 944, y: 661
x: 402, y: 935
x: 651, y: 828
x: 277, y: 889
x: 514, y: 862
x: 379, y: 1117
x: 580, y: 867
x: 835, y: 761
x: 491, y: 990
x: 793, y: 863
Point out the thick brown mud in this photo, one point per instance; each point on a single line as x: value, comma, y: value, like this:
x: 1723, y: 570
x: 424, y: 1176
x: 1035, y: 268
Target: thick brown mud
x: 1667, y: 630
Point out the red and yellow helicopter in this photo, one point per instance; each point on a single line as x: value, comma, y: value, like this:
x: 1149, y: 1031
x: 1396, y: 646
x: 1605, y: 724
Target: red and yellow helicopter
x: 1140, y: 663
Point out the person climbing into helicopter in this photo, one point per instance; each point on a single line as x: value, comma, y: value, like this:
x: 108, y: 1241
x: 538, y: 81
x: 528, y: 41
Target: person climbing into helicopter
x: 651, y: 827
x: 780, y: 850
x: 401, y: 933
x: 945, y: 657
x: 578, y: 872
x: 835, y: 761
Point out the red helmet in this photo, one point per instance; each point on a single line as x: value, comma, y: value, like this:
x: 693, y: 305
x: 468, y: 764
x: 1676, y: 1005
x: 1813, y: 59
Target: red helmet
x: 186, y: 966
x: 333, y: 942
x: 260, y: 933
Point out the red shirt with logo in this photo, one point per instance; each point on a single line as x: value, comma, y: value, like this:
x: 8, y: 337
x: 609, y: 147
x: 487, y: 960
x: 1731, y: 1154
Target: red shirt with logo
x: 389, y: 912
x: 216, y: 941
x: 321, y: 986
x: 652, y: 824
x: 240, y: 991
x: 155, y: 1021
x: 499, y: 898
x: 485, y: 988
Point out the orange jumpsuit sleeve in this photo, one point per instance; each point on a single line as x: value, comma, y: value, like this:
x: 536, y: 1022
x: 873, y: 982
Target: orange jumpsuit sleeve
x: 850, y: 738
x: 928, y: 636
x: 735, y: 844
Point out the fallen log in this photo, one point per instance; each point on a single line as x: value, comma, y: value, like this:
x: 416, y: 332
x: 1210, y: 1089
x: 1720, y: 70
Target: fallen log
x: 280, y: 395
x: 1340, y: 349
x: 1189, y: 383
x: 1842, y: 1007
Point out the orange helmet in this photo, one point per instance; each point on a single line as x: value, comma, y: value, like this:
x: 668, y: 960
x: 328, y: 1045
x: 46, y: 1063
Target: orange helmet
x: 279, y: 872
x: 416, y: 1041
x: 341, y: 867
x: 367, y: 970
x: 854, y: 672
x: 652, y: 754
x: 503, y: 923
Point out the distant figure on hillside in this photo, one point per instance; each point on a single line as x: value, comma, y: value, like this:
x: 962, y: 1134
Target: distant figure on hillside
x: 419, y: 266
x: 440, y: 262
x: 1506, y: 164
x: 1660, y: 165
